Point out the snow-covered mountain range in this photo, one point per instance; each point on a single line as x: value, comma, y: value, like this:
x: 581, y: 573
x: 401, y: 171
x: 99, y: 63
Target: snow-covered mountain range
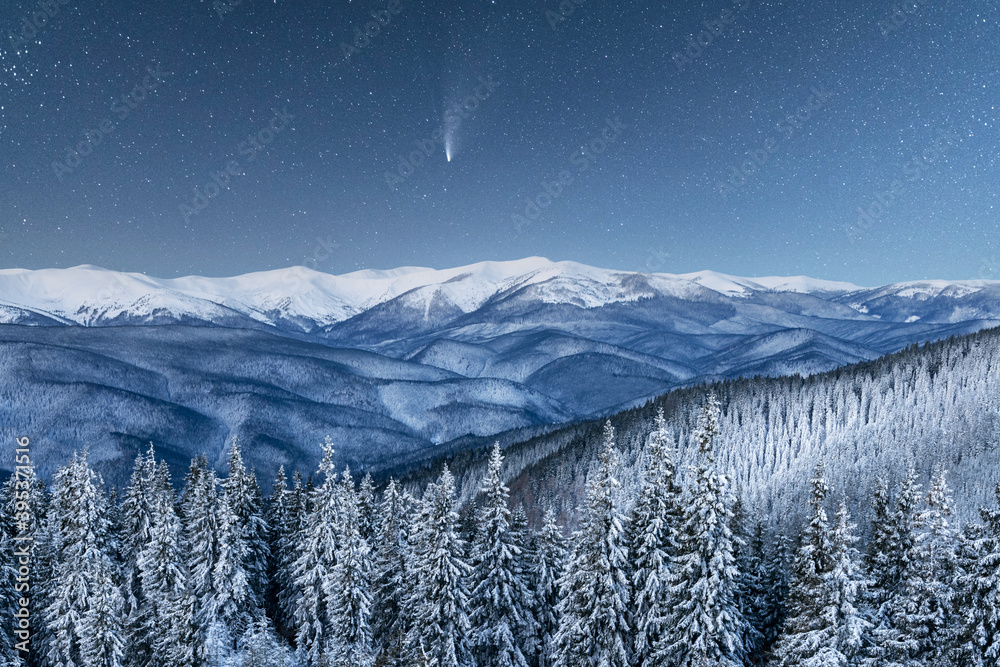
x: 393, y: 361
x: 308, y: 300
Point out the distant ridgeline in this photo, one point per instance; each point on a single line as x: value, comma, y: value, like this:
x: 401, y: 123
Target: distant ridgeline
x: 924, y: 406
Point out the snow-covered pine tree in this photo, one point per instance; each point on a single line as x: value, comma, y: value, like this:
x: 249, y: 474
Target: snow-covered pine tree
x: 181, y: 647
x: 548, y: 562
x: 594, y: 591
x: 101, y: 631
x: 750, y: 595
x: 260, y: 646
x: 806, y: 631
x: 347, y: 589
x: 314, y: 565
x: 164, y: 584
x: 200, y: 522
x: 440, y: 574
x: 289, y: 538
x: 759, y: 597
x: 200, y: 517
x: 971, y: 611
x: 926, y: 615
x: 245, y: 501
x: 218, y: 647
x: 84, y: 606
x: 276, y: 519
x: 8, y: 598
x: 137, y: 505
x: 367, y: 509
x: 890, y: 641
x: 137, y: 519
x: 522, y: 537
x: 232, y: 601
x: 391, y: 585
x: 703, y: 625
x: 880, y: 558
x: 652, y: 535
x: 501, y: 600
x: 984, y: 585
x: 844, y: 588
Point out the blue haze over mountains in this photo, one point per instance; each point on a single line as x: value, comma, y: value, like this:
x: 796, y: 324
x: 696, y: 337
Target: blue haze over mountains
x: 392, y: 363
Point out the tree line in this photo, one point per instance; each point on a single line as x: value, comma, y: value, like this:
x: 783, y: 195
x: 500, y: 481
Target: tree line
x: 324, y: 572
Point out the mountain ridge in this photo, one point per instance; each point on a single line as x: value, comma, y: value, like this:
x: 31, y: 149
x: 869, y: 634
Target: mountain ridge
x: 392, y: 363
x: 92, y: 296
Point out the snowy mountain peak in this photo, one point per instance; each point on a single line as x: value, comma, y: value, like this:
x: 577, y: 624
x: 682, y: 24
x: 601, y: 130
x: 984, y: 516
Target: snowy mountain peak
x: 736, y: 286
x: 91, y: 295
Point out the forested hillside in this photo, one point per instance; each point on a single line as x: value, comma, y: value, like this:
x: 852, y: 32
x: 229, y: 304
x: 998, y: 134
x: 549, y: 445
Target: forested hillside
x: 605, y: 543
x: 925, y: 406
x: 676, y: 571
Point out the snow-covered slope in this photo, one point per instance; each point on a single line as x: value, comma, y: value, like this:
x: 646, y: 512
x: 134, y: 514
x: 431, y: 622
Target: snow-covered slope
x: 91, y: 295
x: 94, y: 296
x: 411, y: 357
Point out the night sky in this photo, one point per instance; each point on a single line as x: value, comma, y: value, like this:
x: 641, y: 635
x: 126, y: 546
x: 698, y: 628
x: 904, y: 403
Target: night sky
x: 838, y: 139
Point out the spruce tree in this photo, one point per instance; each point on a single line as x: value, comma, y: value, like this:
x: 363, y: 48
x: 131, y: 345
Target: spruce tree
x: 653, y: 541
x: 101, y: 631
x: 594, y: 591
x: 548, y: 563
x: 806, y: 631
x: 972, y: 627
x: 232, y: 601
x: 703, y: 622
x: 440, y: 574
x: 985, y: 586
x: 277, y: 518
x: 288, y: 540
x: 890, y: 636
x: 245, y: 501
x: 22, y: 516
x: 880, y: 560
x: 391, y: 586
x: 137, y: 520
x: 501, y: 600
x: 759, y: 597
x: 260, y: 646
x: 164, y: 581
x: 843, y: 591
x: 314, y: 565
x: 201, y: 509
x: 367, y: 508
x: 347, y: 590
x: 926, y: 618
x: 85, y: 606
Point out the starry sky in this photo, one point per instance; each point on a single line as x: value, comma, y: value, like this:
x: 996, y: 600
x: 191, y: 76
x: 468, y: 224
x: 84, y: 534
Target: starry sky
x: 837, y: 139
